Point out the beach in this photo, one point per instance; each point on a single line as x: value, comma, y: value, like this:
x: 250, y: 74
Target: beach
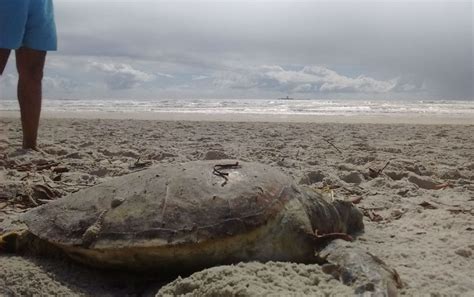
x: 413, y: 178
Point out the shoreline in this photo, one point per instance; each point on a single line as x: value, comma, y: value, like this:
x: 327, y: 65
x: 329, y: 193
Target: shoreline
x: 242, y: 117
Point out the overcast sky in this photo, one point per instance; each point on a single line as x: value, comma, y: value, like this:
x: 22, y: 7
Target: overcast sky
x: 260, y: 49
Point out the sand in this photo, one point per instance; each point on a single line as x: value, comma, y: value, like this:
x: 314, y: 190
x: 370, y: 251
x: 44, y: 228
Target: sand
x: 418, y: 210
x: 257, y: 279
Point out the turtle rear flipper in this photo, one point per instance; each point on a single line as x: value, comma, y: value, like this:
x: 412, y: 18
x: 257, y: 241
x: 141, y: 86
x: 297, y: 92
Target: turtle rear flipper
x: 359, y: 269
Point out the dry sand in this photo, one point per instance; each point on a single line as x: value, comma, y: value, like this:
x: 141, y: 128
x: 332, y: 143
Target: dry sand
x: 419, y: 209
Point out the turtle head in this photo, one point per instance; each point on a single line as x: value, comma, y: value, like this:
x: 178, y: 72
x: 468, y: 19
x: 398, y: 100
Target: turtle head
x: 331, y: 216
x: 9, y: 242
x: 23, y: 242
x: 350, y: 216
x: 15, y: 241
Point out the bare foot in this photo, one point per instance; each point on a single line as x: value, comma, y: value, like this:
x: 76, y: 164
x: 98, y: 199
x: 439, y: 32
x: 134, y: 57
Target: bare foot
x: 36, y: 149
x: 40, y: 151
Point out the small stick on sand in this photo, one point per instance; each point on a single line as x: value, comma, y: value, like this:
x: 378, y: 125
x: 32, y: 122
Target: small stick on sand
x: 331, y: 236
x: 380, y: 171
x: 372, y: 215
x: 22, y: 167
x: 355, y: 200
x: 139, y: 164
x: 332, y: 145
x: 26, y: 176
x: 47, y: 165
x: 60, y: 169
x: 32, y: 200
x: 375, y: 173
x: 442, y: 186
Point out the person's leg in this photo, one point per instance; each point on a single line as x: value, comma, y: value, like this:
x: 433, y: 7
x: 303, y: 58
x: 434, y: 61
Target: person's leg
x: 4, y: 54
x: 30, y: 65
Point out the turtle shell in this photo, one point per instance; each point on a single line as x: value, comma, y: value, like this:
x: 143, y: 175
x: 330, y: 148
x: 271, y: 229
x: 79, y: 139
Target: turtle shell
x: 167, y: 205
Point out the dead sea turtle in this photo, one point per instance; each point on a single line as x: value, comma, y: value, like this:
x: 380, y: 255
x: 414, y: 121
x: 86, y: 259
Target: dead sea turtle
x: 185, y: 217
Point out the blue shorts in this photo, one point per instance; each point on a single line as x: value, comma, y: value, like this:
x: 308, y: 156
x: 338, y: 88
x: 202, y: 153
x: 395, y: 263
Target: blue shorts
x: 27, y: 23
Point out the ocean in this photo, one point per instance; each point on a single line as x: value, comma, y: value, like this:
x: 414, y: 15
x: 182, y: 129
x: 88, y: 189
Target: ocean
x: 446, y: 108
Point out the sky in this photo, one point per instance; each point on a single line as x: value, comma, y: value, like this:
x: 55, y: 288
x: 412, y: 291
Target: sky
x: 259, y: 49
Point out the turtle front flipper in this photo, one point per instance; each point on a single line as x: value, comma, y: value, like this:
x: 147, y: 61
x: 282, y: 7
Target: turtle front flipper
x: 359, y: 269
